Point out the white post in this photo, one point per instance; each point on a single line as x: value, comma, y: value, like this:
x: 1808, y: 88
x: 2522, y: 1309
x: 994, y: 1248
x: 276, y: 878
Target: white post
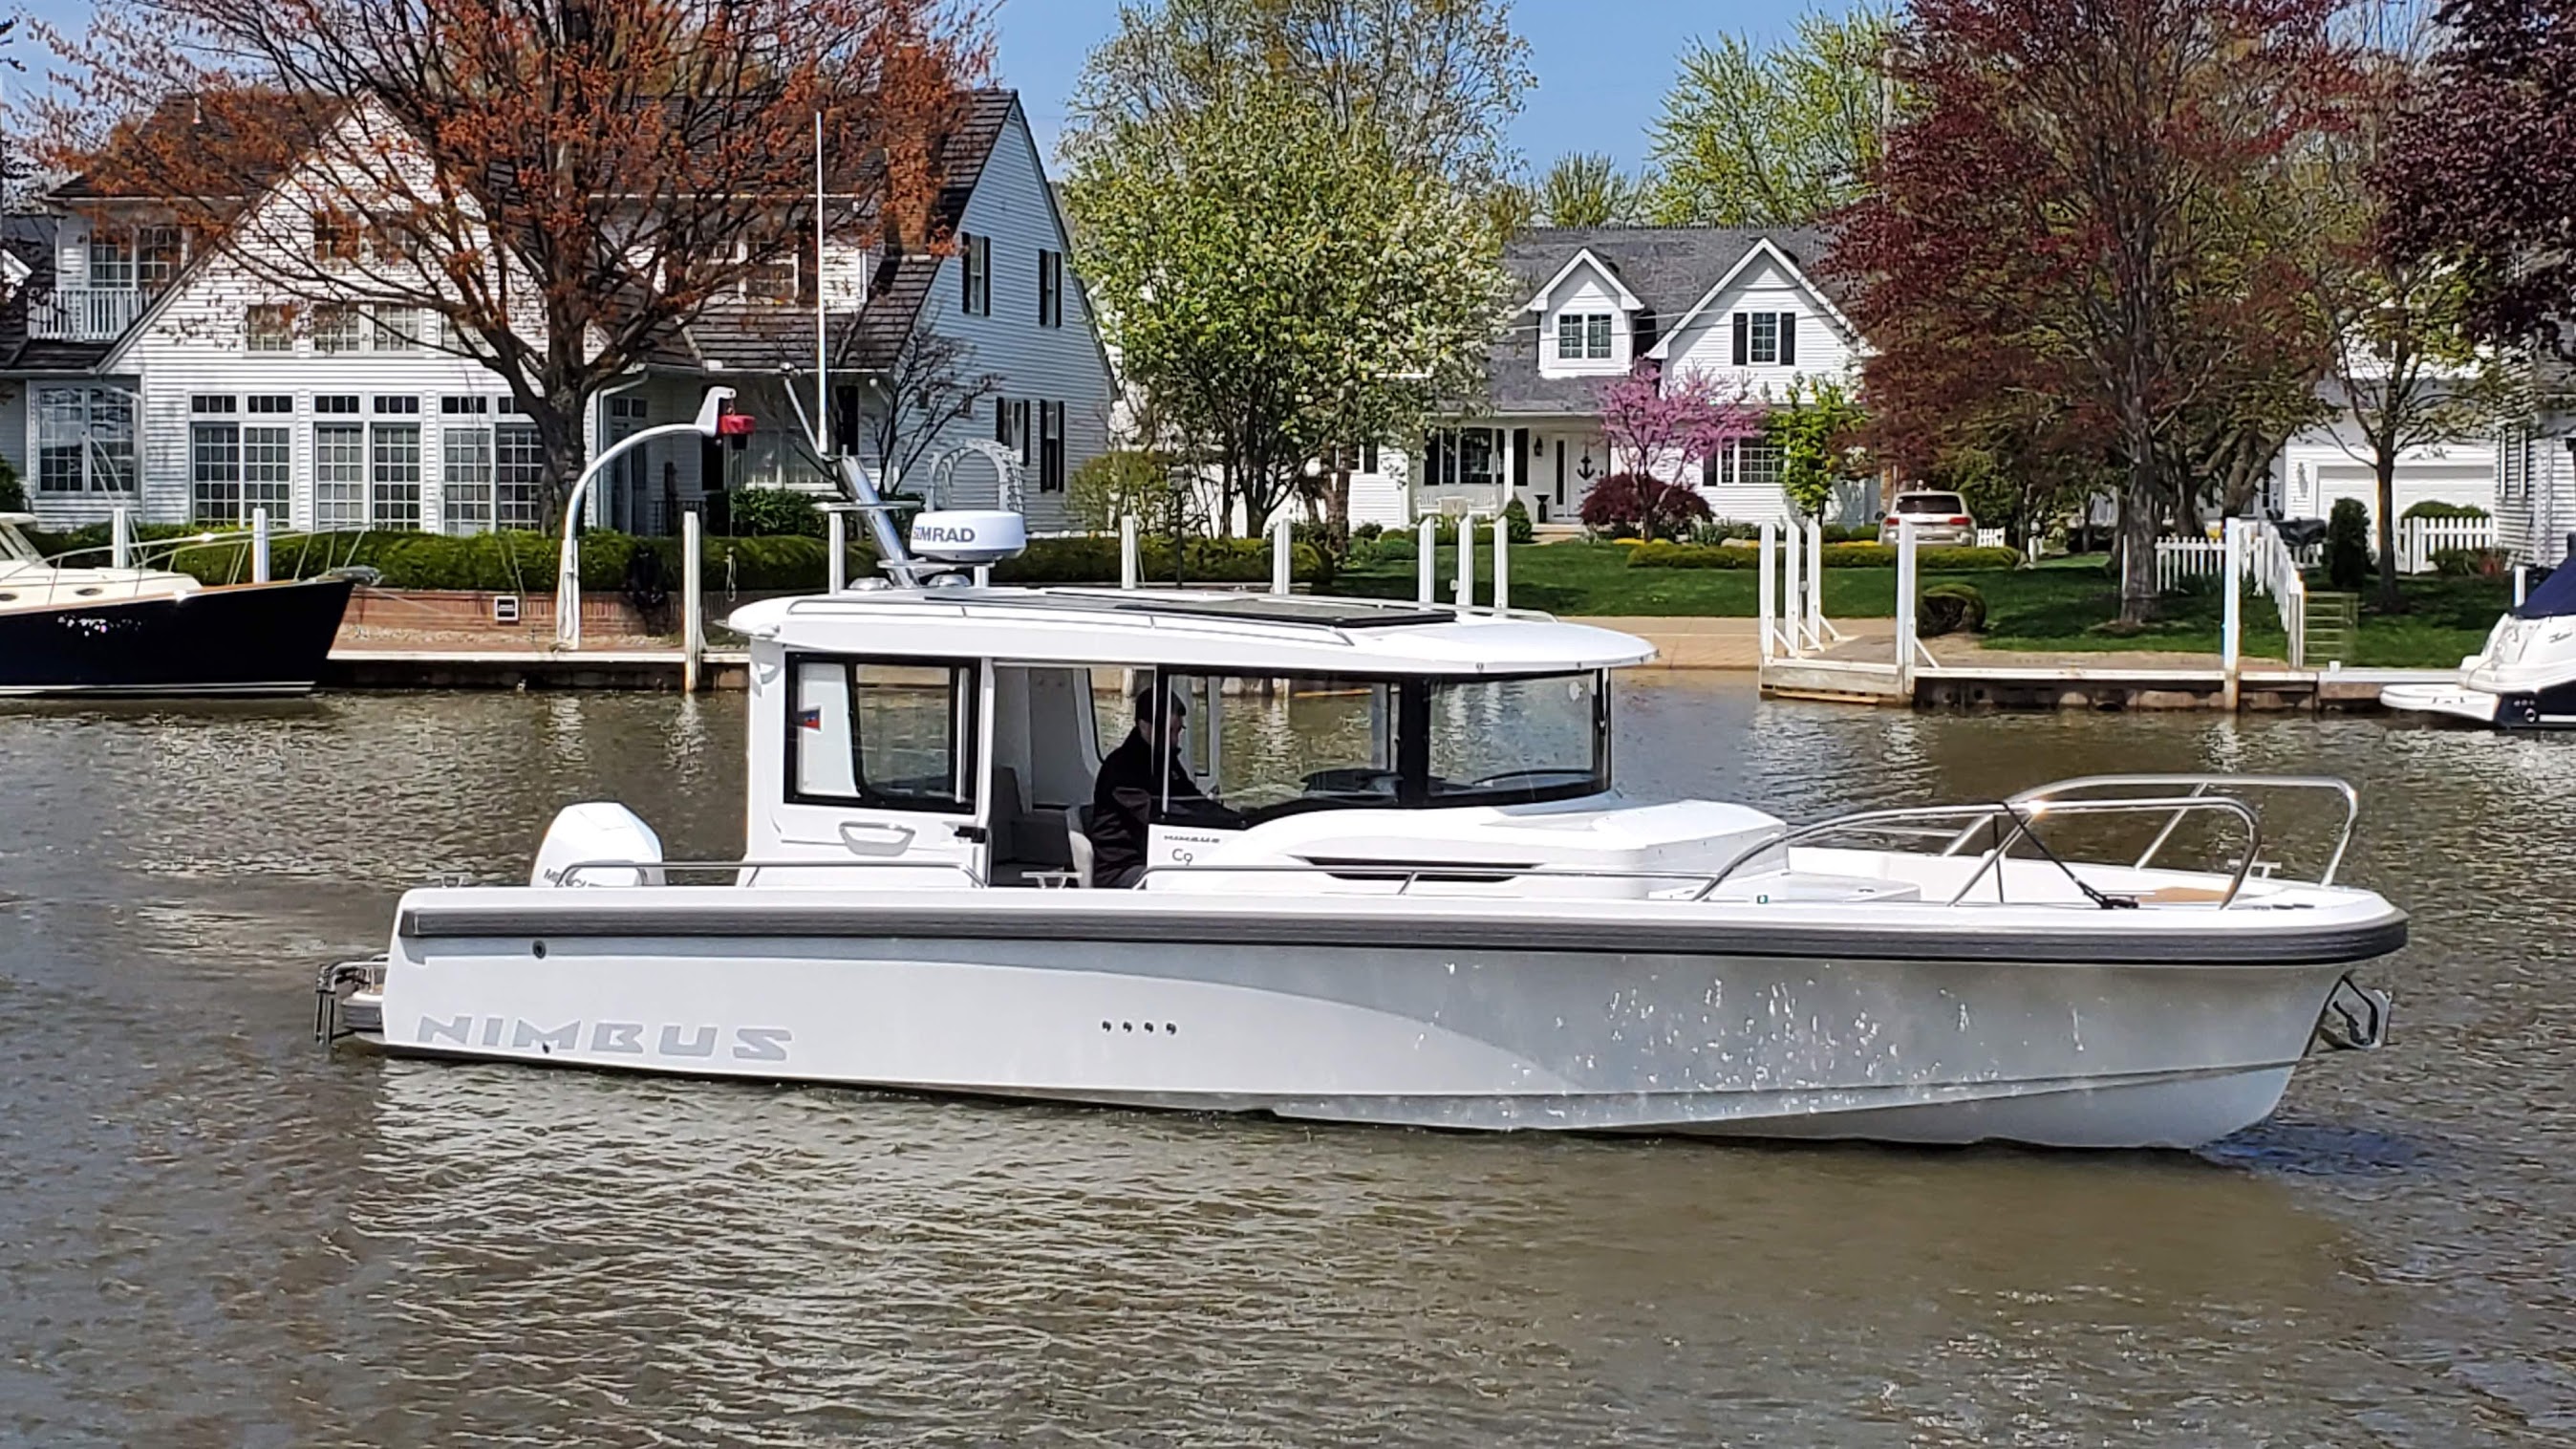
x: 1466, y: 560
x: 259, y: 545
x: 2521, y: 583
x: 1793, y: 592
x: 120, y: 538
x: 1424, y: 566
x: 1905, y: 605
x: 1131, y: 557
x: 836, y: 537
x: 2231, y: 634
x: 1816, y: 582
x: 693, y: 630
x: 1769, y: 602
x: 1502, y: 564
x: 1281, y: 531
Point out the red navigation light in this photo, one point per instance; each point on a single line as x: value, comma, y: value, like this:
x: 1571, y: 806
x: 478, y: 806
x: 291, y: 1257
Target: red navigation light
x: 734, y: 425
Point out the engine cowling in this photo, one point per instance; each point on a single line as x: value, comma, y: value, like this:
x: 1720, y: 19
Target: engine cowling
x: 596, y: 831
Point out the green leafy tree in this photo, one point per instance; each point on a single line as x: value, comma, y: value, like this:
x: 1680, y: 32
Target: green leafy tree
x: 1439, y: 80
x: 1587, y: 189
x: 1818, y: 434
x: 1774, y: 137
x: 1279, y: 282
x: 1121, y: 483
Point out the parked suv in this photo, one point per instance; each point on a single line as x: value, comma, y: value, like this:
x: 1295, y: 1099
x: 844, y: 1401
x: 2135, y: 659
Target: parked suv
x: 1940, y: 520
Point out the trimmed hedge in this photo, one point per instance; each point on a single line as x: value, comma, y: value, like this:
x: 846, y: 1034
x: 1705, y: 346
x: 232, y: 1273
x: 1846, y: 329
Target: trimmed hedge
x: 1836, y: 556
x: 2435, y: 508
x: 1093, y: 559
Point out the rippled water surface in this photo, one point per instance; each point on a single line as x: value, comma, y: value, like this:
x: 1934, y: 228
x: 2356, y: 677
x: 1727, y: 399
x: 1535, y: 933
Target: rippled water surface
x: 214, y: 1233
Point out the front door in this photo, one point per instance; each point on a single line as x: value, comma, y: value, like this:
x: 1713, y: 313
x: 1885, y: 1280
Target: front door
x: 881, y: 773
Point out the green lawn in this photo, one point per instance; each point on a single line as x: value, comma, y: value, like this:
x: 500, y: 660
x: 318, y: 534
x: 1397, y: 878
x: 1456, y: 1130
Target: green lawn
x: 2062, y: 605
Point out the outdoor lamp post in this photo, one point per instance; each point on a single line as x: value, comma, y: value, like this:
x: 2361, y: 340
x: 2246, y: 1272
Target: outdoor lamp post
x: 715, y: 419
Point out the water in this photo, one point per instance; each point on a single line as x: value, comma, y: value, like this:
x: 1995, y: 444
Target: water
x: 213, y: 1233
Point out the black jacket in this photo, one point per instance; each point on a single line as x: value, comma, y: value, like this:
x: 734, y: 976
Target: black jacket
x: 1123, y: 800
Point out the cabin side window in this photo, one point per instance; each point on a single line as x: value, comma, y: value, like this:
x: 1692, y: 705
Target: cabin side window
x: 884, y: 734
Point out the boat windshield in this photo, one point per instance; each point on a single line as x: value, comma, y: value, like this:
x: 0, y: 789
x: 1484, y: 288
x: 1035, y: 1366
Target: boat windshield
x: 2553, y: 596
x: 1260, y: 747
x: 14, y: 546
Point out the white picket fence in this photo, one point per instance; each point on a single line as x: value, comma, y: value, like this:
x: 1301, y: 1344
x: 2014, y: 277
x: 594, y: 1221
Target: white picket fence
x: 2272, y: 567
x: 2418, y: 539
x: 2178, y: 559
x: 1990, y: 538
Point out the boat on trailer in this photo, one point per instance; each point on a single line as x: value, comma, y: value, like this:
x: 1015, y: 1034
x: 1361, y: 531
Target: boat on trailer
x: 1392, y: 882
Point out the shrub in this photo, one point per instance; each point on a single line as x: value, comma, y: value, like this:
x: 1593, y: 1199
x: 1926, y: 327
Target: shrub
x: 1950, y: 609
x: 2435, y: 508
x: 1965, y: 560
x: 1366, y: 532
x: 1851, y: 533
x: 1115, y: 484
x: 775, y: 513
x: 1093, y: 559
x: 1865, y: 556
x: 1635, y: 505
x: 1659, y: 554
x: 13, y: 494
x: 1724, y: 530
x: 1516, y: 522
x: 2348, y: 544
x: 2469, y: 562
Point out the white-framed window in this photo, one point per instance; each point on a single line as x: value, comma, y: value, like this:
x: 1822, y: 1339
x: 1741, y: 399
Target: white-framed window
x: 268, y: 327
x: 1749, y: 463
x: 268, y: 455
x: 975, y: 266
x: 399, y: 329
x: 158, y: 252
x: 84, y: 440
x: 1462, y: 457
x: 339, y: 463
x: 214, y: 459
x: 1583, y: 336
x: 518, y: 476
x: 336, y: 328
x: 335, y: 236
x: 393, y: 464
x: 111, y: 262
x: 1766, y: 339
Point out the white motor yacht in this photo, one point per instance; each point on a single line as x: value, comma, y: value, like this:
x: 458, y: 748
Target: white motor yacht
x: 1390, y: 880
x: 2525, y: 677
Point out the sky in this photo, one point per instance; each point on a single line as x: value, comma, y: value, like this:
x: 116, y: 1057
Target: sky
x: 1603, y: 65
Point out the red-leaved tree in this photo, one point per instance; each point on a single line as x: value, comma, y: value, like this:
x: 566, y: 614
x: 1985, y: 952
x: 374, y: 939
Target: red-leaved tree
x: 2480, y: 174
x: 2078, y: 207
x: 560, y: 186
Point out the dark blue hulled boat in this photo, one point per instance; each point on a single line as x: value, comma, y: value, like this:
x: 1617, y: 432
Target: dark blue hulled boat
x: 150, y: 632
x: 2525, y: 678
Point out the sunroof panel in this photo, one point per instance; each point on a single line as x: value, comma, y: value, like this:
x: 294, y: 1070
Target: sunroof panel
x: 1323, y: 613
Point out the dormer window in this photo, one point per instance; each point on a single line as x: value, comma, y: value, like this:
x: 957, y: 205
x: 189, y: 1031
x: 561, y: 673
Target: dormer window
x: 1583, y: 336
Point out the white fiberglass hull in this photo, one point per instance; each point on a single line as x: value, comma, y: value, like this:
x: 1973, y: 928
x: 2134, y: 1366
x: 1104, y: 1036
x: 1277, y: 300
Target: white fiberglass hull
x: 1420, y: 1013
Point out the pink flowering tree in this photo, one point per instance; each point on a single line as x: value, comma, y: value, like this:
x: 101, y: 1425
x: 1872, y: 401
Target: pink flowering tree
x: 1661, y: 430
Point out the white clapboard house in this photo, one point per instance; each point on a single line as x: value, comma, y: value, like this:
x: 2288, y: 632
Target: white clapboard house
x: 1741, y: 305
x: 135, y: 373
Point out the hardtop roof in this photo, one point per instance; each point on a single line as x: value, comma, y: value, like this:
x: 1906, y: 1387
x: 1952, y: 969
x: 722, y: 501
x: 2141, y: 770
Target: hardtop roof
x: 1183, y: 628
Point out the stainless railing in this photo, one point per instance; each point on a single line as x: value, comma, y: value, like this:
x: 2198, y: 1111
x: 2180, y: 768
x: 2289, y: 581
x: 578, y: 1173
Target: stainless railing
x: 2200, y: 785
x: 2023, y: 815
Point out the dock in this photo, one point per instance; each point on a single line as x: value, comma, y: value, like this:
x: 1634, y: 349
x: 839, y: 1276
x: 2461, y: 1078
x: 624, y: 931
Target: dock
x: 2100, y: 683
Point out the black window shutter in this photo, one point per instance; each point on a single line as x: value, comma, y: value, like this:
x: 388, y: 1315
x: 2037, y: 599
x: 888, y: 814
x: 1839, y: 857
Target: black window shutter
x: 1743, y: 336
x: 1788, y: 339
x: 966, y: 274
x: 1002, y: 421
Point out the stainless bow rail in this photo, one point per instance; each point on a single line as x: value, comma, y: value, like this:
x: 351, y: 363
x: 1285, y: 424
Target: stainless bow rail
x: 2200, y: 785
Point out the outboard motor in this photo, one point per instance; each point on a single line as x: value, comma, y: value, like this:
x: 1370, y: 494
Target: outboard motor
x: 598, y: 831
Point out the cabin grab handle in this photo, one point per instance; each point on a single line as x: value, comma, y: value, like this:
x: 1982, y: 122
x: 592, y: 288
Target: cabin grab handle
x: 886, y: 839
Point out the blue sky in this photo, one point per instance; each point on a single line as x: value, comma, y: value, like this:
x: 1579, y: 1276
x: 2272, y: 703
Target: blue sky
x: 1602, y: 65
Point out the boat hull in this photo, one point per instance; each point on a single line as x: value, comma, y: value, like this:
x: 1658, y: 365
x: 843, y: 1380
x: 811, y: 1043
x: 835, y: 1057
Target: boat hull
x: 1495, y: 1036
x: 244, y: 639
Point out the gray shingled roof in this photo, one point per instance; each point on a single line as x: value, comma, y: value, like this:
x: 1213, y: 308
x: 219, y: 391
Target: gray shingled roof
x: 767, y: 336
x: 1669, y: 268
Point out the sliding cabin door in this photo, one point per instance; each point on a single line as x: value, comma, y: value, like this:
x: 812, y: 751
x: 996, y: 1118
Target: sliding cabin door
x: 882, y: 772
